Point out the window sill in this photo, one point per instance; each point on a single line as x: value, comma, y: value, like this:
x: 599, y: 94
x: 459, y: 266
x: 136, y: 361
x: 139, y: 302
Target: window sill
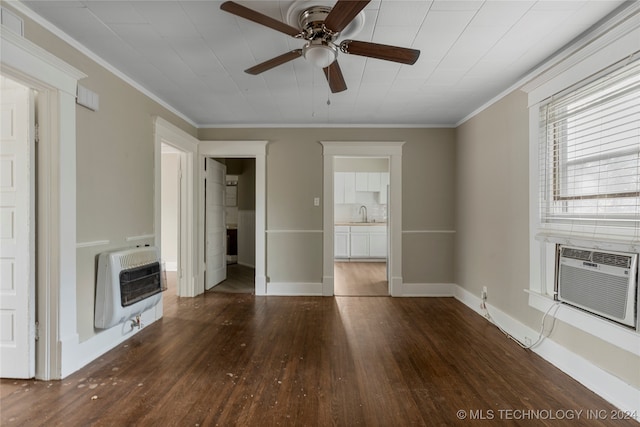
x: 617, y: 335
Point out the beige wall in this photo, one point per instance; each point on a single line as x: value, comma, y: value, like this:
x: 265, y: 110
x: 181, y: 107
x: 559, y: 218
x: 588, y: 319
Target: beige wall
x: 294, y: 178
x: 492, y: 222
x: 115, y: 166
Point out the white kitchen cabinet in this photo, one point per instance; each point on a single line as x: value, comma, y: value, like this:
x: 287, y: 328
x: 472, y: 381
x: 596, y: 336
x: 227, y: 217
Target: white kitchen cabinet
x: 370, y: 181
x: 373, y: 181
x: 344, y: 187
x: 362, y: 181
x: 341, y: 242
x: 368, y: 241
x: 349, y: 187
x: 377, y: 242
x: 359, y: 242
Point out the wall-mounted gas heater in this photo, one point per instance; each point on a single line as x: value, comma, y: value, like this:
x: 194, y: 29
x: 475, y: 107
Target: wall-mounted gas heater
x: 603, y: 283
x: 129, y: 282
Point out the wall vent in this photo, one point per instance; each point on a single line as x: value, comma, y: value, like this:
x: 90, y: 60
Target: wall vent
x: 602, y: 283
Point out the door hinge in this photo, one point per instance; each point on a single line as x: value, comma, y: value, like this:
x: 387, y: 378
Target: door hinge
x: 37, y: 331
x: 36, y: 133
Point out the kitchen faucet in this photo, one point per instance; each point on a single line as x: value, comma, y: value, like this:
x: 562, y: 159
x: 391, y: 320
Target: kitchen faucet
x: 364, y: 214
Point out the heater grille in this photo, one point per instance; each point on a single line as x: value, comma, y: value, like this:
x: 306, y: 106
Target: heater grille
x: 139, y: 283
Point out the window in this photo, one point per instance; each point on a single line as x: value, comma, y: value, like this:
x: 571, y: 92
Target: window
x: 590, y: 151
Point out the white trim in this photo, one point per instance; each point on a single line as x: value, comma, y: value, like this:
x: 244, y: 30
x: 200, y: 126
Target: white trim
x: 52, y: 70
x: 387, y: 149
x: 611, y: 388
x: 92, y: 349
x: 171, y: 266
x: 141, y: 237
x: 240, y: 149
x: 20, y: 7
x: 56, y: 284
x: 92, y: 244
x: 294, y: 289
x: 325, y: 126
x: 605, y: 330
x: 167, y: 134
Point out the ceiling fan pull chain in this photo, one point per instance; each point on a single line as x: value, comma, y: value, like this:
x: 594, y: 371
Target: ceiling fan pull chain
x: 329, y: 89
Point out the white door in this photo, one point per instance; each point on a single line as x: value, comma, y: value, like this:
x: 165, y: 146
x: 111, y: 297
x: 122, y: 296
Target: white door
x: 216, y: 231
x: 17, y: 208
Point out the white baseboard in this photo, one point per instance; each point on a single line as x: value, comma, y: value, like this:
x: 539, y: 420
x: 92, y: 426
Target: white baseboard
x: 611, y: 388
x: 80, y: 354
x: 294, y: 289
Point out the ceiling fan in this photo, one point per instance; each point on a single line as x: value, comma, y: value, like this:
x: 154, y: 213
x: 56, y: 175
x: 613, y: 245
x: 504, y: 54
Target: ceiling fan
x: 320, y: 26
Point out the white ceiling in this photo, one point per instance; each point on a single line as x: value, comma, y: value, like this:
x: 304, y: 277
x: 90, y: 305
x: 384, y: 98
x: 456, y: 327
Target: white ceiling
x: 192, y: 56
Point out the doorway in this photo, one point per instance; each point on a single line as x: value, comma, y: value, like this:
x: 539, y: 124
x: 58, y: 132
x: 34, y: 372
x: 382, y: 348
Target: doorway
x: 361, y: 195
x: 380, y: 149
x: 239, y: 205
x: 257, y: 151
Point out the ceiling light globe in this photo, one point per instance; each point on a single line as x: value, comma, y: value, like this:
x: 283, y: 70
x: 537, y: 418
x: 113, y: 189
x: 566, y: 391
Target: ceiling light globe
x: 320, y: 55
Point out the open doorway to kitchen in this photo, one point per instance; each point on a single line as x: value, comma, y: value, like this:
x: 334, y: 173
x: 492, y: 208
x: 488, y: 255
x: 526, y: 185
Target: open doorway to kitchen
x: 392, y: 151
x: 361, y: 199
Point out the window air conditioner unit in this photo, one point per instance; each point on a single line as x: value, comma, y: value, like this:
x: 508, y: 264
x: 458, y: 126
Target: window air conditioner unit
x: 602, y: 283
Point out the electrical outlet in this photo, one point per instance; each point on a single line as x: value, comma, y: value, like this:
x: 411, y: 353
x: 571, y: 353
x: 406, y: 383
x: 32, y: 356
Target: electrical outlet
x: 483, y: 295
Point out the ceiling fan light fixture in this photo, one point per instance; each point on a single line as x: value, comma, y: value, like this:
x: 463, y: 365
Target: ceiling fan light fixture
x: 320, y: 55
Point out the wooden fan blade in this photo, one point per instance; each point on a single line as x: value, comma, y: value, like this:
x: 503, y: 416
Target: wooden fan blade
x: 252, y: 15
x: 335, y: 78
x: 380, y: 51
x: 343, y: 13
x: 274, y: 62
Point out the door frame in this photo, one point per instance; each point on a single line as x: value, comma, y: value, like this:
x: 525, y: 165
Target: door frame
x: 187, y: 145
x: 237, y: 149
x: 391, y: 150
x: 56, y: 310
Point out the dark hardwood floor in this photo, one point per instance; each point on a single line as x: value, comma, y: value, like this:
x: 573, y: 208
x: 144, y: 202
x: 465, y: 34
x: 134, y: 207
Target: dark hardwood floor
x: 224, y: 359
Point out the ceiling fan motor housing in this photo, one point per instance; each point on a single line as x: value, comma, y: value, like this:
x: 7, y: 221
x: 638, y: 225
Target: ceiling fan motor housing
x: 311, y: 22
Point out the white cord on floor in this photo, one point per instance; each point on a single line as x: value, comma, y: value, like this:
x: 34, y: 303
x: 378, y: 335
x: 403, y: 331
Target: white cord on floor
x: 541, y: 335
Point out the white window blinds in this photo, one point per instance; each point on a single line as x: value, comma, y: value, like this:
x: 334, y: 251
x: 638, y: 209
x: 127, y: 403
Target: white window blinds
x: 590, y: 151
